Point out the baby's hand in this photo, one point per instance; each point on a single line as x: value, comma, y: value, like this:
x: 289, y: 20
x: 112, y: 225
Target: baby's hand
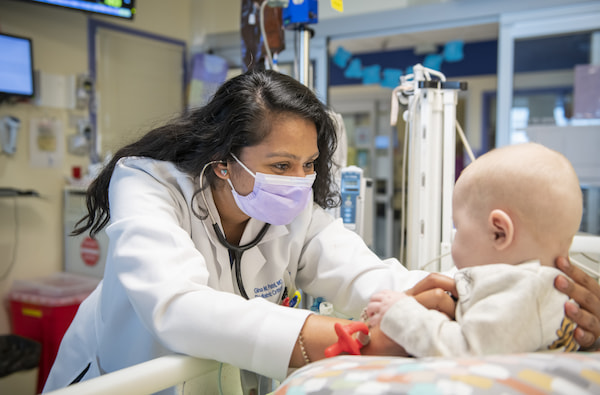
x: 436, y: 291
x: 380, y: 303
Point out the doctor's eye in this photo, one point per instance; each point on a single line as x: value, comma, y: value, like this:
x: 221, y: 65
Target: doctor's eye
x: 281, y: 166
x: 310, y: 166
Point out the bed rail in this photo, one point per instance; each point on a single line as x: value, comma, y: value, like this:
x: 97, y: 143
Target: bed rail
x: 144, y: 378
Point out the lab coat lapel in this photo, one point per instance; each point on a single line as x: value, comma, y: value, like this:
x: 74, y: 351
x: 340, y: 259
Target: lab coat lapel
x: 253, y: 260
x: 222, y: 267
x: 221, y: 271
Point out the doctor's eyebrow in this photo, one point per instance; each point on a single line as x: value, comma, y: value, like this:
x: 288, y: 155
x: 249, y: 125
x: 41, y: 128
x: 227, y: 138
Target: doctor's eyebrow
x: 290, y: 155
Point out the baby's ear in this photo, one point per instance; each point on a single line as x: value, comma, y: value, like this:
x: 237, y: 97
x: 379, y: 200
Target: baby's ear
x: 501, y: 228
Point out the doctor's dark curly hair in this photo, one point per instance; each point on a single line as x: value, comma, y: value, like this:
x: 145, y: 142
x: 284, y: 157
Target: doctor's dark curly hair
x: 238, y: 115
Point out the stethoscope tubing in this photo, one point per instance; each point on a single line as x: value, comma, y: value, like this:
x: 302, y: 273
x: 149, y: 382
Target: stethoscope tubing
x: 235, y: 252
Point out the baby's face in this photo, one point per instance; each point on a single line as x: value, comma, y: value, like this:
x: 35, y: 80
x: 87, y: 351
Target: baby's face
x: 471, y: 245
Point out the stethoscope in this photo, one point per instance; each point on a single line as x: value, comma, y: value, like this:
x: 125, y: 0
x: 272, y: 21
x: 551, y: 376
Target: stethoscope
x: 235, y: 252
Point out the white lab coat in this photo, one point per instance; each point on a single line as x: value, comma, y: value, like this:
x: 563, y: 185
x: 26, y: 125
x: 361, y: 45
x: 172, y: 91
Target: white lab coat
x: 168, y: 285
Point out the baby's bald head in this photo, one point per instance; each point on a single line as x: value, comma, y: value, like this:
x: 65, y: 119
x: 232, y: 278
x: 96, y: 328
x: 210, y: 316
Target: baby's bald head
x: 534, y: 184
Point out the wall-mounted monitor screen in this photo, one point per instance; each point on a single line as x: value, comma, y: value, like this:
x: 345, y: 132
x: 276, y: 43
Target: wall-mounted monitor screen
x: 119, y: 8
x: 16, y: 66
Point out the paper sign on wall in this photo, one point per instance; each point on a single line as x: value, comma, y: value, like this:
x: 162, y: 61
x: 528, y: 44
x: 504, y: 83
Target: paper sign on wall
x: 46, y: 144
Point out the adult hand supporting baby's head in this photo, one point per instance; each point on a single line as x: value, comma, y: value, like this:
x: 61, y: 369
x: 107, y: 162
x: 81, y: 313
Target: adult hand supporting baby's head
x: 586, y: 292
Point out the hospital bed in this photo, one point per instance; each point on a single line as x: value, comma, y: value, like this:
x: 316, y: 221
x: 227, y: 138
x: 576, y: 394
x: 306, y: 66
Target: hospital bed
x: 531, y: 373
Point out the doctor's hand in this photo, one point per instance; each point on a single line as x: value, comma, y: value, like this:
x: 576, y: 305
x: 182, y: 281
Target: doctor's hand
x: 434, y: 293
x: 586, y: 292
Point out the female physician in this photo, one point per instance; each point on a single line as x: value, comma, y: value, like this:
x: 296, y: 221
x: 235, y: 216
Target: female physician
x: 212, y: 219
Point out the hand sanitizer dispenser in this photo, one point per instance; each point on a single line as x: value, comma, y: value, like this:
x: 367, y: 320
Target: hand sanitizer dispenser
x: 9, y: 127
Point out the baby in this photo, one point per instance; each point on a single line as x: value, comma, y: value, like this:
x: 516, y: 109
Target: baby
x: 515, y: 210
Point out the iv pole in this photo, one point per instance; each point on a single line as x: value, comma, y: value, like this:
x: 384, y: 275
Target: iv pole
x: 431, y: 119
x: 297, y: 16
x: 303, y: 37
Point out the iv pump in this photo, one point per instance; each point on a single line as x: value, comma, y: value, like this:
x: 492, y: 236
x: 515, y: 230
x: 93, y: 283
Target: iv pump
x: 352, y: 210
x: 9, y: 127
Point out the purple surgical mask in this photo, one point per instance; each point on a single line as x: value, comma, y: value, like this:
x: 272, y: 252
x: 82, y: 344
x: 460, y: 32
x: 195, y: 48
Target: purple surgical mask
x: 275, y: 199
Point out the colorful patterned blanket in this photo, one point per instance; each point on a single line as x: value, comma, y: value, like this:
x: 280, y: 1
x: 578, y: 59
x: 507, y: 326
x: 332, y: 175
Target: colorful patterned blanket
x: 531, y: 373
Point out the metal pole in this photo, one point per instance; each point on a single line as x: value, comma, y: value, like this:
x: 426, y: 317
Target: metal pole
x: 304, y: 49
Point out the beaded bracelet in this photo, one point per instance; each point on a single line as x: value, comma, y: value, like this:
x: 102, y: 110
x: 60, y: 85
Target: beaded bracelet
x: 302, y: 349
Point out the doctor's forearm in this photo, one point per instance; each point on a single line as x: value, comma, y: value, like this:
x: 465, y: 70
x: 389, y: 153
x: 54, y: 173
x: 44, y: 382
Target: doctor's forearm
x: 317, y: 334
x: 381, y: 344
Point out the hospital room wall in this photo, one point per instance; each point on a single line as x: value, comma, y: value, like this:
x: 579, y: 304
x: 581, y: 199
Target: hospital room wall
x: 60, y: 47
x: 31, y: 228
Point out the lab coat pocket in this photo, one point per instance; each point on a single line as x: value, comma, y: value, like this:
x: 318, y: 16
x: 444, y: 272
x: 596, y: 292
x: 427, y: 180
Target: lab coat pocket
x: 91, y: 370
x: 81, y: 375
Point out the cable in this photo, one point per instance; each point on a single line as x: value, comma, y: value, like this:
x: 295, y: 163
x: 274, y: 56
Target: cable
x: 202, y: 187
x: 13, y: 259
x: 464, y: 141
x: 404, y: 86
x: 219, y: 381
x: 403, y: 203
x: 271, y: 58
x: 403, y: 207
x: 437, y: 258
x: 264, y: 35
x: 403, y: 199
x: 428, y: 71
